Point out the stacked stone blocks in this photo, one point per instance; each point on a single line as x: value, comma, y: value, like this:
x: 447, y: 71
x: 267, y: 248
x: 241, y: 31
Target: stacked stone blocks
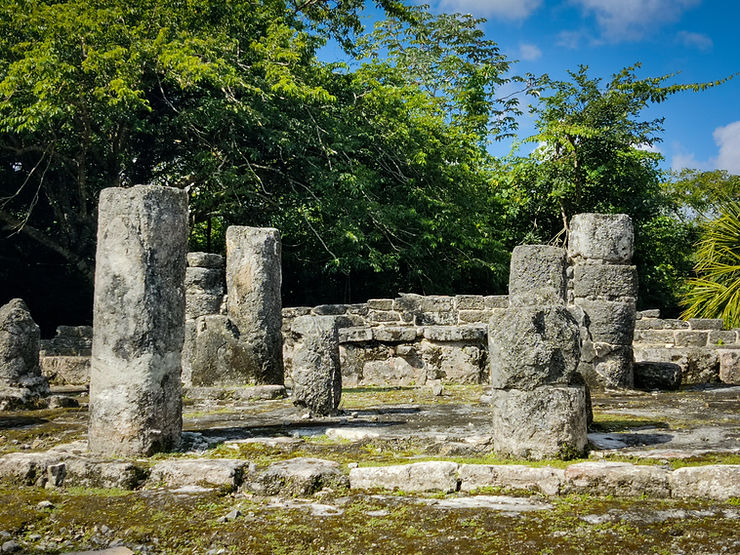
x: 603, y: 292
x: 539, y: 402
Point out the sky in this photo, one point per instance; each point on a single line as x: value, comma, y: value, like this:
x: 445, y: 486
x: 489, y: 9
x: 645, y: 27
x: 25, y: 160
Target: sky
x: 697, y: 39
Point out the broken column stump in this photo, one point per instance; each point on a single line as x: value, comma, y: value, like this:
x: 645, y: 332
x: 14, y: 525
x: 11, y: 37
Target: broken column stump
x: 317, y: 378
x: 600, y: 247
x: 21, y: 382
x: 539, y: 402
x: 253, y: 280
x: 138, y: 321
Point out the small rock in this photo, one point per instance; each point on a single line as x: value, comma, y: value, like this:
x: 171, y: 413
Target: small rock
x: 45, y: 504
x: 233, y: 515
x: 34, y: 537
x: 105, y: 530
x: 10, y: 547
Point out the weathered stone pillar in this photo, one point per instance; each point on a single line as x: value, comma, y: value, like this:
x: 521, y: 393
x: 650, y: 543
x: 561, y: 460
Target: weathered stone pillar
x: 253, y: 279
x: 21, y: 382
x: 317, y: 379
x: 604, y: 295
x: 539, y: 402
x: 204, y: 293
x: 138, y: 321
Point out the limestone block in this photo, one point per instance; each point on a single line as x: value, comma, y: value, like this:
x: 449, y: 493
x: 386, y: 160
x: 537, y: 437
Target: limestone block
x: 657, y: 375
x: 394, y: 370
x: 691, y: 338
x: 446, y: 318
x: 610, y: 370
x: 729, y: 366
x: 533, y: 346
x: 605, y: 281
x: 470, y: 302
x: 601, y: 237
x: 454, y: 363
x: 69, y: 370
x: 475, y: 316
x: 655, y: 337
x: 253, y: 280
x: 609, y: 321
x: 549, y: 421
x: 219, y: 357
x: 722, y: 338
x: 27, y: 469
x: 317, y: 380
x: 205, y: 260
x: 21, y: 381
x: 537, y: 275
x: 650, y: 313
x: 91, y: 473
x: 138, y: 321
x: 380, y: 304
x: 617, y: 478
x: 424, y: 476
x: 546, y: 480
x: 200, y: 304
x: 702, y: 366
x: 455, y: 333
x: 356, y: 335
x: 496, y: 301
x: 718, y: 481
x: 706, y: 323
x: 224, y: 473
x: 394, y: 334
x: 298, y: 476
x: 383, y: 316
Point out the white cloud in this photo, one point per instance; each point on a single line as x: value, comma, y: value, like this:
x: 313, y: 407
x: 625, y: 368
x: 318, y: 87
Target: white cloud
x: 621, y: 20
x: 695, y: 40
x: 529, y: 52
x: 648, y: 148
x: 570, y: 39
x: 502, y: 9
x: 728, y: 141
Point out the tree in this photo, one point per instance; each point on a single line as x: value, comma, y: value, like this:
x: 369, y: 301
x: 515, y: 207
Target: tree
x: 595, y: 154
x: 715, y: 291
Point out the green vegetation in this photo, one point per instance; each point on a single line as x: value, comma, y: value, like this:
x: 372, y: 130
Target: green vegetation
x: 376, y: 172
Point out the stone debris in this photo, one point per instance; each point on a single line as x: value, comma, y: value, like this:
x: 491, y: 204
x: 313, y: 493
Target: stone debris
x: 138, y: 321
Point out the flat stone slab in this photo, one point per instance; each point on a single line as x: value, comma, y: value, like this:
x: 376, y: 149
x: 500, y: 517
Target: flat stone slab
x: 423, y: 476
x: 175, y: 473
x: 719, y: 482
x: 489, y: 502
x: 299, y: 476
x: 617, y: 478
x: 514, y: 476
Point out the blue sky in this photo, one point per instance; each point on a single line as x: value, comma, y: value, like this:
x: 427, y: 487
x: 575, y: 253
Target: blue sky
x: 698, y: 39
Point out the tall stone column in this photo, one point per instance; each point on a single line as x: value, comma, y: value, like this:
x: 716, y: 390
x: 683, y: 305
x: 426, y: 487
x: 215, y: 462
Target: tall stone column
x: 317, y: 379
x: 604, y: 295
x: 138, y: 321
x: 253, y: 280
x: 539, y: 402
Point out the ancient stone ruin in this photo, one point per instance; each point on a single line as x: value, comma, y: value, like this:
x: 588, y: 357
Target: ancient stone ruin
x: 21, y: 382
x: 539, y: 400
x: 604, y: 292
x: 138, y: 321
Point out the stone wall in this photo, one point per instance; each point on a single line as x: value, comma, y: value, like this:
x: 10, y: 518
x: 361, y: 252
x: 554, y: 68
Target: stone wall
x: 65, y: 358
x: 693, y: 345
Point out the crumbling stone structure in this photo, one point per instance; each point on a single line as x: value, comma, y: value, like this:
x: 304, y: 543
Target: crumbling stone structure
x: 604, y: 294
x: 21, y: 382
x: 539, y: 402
x: 65, y: 358
x: 317, y: 378
x: 253, y: 280
x: 138, y: 321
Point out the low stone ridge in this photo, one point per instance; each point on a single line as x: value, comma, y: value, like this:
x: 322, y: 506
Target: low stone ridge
x: 657, y: 375
x: 617, y: 478
x: 544, y: 479
x: 719, y: 482
x: 299, y: 476
x: 698, y: 364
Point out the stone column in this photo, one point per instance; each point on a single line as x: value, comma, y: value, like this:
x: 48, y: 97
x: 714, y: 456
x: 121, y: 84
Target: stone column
x: 539, y: 402
x: 21, y: 382
x: 604, y: 295
x: 204, y: 293
x: 138, y: 321
x: 317, y: 379
x: 253, y: 279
